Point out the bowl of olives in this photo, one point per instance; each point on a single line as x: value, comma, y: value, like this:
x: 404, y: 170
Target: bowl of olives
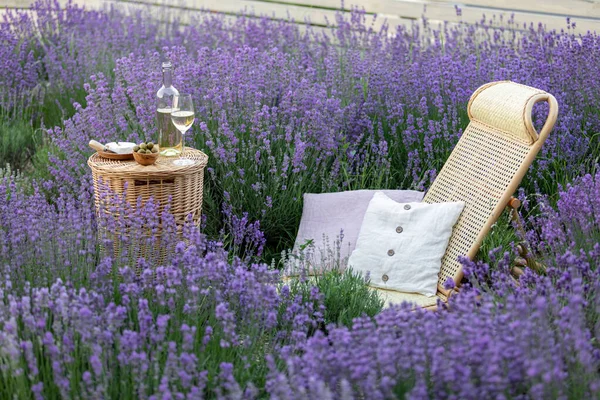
x: 145, y: 153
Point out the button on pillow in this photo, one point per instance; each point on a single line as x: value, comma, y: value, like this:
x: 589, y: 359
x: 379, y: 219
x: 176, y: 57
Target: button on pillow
x: 401, y: 245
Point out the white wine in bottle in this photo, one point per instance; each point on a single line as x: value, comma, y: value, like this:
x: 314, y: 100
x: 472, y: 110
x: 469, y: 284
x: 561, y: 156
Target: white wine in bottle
x: 170, y: 139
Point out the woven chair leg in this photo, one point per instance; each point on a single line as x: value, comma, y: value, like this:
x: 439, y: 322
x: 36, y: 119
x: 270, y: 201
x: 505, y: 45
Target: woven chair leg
x: 517, y: 269
x: 514, y: 205
x: 520, y: 262
x: 525, y: 259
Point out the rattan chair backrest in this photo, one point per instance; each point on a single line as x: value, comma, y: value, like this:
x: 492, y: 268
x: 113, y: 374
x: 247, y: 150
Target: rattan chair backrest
x: 488, y: 163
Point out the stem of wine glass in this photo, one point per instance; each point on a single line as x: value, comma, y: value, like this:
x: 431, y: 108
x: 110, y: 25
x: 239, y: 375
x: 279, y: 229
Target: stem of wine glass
x: 183, y: 132
x: 181, y: 161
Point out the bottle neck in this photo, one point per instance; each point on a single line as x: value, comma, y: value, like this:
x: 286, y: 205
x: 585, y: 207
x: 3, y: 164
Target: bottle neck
x: 167, y: 77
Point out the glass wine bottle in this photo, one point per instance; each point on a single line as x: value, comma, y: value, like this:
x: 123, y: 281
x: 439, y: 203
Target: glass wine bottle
x: 170, y: 140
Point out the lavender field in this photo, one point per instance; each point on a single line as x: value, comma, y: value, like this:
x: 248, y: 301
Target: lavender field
x: 282, y: 111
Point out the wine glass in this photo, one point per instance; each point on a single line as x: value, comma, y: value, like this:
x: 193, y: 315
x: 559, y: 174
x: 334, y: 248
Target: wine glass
x: 182, y: 115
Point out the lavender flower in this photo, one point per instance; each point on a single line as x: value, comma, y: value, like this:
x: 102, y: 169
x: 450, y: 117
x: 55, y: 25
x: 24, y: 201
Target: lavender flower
x: 96, y: 305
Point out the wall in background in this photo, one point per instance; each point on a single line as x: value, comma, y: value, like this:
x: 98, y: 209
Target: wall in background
x: 552, y: 13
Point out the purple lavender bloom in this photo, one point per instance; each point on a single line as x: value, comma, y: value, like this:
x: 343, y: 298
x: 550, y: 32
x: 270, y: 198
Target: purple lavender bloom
x: 93, y: 301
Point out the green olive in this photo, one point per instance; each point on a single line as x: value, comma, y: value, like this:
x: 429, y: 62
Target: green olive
x: 150, y: 145
x: 154, y: 150
x: 143, y: 146
x: 136, y: 148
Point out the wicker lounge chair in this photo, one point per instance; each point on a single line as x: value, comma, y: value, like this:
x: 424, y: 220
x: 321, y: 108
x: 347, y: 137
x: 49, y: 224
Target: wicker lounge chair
x: 484, y: 170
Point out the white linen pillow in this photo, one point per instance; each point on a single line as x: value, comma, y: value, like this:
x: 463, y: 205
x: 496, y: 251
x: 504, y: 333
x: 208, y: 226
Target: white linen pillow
x: 401, y: 245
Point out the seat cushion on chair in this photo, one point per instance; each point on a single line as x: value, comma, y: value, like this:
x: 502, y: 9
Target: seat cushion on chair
x: 401, y: 245
x: 395, y: 297
x: 326, y: 215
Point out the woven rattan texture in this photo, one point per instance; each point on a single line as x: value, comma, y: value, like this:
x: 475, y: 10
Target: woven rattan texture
x: 478, y: 172
x: 502, y: 105
x: 179, y: 186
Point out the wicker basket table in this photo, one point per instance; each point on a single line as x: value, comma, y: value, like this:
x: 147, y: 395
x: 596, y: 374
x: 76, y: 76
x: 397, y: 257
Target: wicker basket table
x: 164, y: 182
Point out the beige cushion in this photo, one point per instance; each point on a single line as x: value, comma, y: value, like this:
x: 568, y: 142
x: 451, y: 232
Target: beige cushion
x: 509, y: 113
x: 394, y: 297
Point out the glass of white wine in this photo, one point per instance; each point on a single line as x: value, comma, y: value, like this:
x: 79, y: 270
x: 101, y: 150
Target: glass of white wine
x: 182, y: 115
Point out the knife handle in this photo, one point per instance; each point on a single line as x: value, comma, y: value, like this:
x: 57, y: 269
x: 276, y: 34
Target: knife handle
x: 96, y: 145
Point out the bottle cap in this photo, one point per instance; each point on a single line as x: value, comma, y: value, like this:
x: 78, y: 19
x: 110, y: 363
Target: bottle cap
x: 167, y: 64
